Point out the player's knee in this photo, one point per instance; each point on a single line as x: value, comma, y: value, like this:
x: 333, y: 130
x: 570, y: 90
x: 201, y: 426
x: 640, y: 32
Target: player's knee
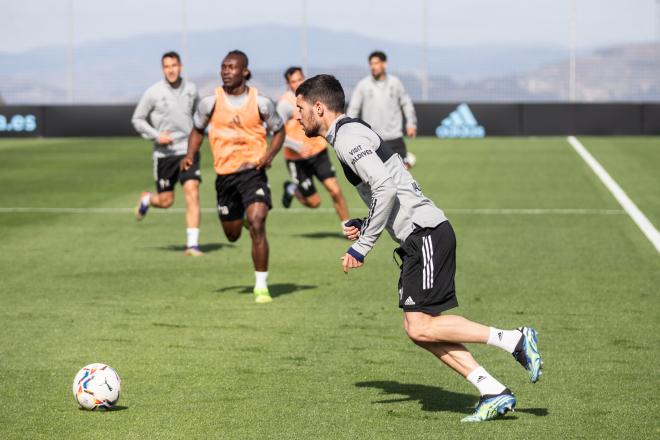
x: 233, y: 236
x: 417, y: 332
x: 258, y: 228
x: 313, y: 202
x: 257, y: 224
x: 192, y: 193
x: 166, y: 200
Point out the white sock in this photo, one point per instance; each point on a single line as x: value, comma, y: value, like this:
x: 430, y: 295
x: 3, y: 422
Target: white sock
x: 505, y: 339
x: 146, y: 199
x: 485, y: 383
x: 261, y: 280
x: 291, y: 188
x: 193, y: 236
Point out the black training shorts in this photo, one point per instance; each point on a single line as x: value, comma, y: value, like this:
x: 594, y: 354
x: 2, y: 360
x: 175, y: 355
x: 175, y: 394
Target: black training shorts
x: 398, y: 146
x: 428, y: 267
x: 235, y: 192
x: 167, y: 172
x: 302, y: 171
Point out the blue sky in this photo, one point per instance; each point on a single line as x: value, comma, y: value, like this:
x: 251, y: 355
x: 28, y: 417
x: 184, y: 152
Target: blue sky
x: 26, y: 24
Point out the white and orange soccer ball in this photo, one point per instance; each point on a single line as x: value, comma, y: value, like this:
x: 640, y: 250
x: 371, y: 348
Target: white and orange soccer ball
x: 96, y: 386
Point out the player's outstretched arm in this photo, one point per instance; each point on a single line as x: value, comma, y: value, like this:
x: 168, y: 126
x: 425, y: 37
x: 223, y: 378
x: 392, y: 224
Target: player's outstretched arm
x: 355, y: 104
x: 201, y: 120
x: 194, y: 144
x: 276, y: 143
x: 140, y: 117
x: 408, y: 111
x: 275, y: 125
x: 357, y: 153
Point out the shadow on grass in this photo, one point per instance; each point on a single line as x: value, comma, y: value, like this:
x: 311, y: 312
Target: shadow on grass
x: 431, y: 398
x: 321, y: 235
x: 275, y: 289
x: 539, y: 412
x: 206, y: 248
x: 105, y: 410
x: 436, y: 399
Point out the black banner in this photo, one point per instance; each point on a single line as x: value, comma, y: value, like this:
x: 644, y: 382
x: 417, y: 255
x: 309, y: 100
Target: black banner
x: 445, y: 120
x: 651, y: 118
x: 581, y: 119
x: 89, y: 120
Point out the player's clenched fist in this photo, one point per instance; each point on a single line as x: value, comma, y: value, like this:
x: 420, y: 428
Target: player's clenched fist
x: 348, y: 261
x: 352, y: 229
x: 186, y: 163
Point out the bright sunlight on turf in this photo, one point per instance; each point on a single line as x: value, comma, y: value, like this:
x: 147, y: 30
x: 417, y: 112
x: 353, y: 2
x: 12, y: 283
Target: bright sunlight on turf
x: 328, y: 358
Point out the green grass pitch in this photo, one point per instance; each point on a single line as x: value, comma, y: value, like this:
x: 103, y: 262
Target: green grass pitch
x: 328, y: 359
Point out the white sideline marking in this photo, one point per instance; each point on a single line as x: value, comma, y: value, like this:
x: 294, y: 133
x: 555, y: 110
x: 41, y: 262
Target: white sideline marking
x: 477, y: 211
x: 628, y: 205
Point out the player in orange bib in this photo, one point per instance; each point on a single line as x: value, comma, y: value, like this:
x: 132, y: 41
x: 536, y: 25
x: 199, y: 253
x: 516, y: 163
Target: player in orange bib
x: 306, y: 157
x: 235, y: 117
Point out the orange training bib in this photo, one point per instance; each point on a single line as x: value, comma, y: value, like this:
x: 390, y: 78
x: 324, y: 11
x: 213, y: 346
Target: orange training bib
x: 237, y: 136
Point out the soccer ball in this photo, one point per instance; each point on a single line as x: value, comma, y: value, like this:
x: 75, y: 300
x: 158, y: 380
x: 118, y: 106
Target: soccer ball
x: 411, y: 159
x: 96, y: 386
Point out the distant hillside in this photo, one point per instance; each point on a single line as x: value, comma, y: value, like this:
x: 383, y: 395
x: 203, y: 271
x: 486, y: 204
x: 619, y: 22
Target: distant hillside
x: 118, y: 71
x: 629, y: 72
x: 625, y: 73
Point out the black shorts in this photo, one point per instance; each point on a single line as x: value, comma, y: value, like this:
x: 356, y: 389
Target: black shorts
x: 426, y: 283
x: 303, y: 171
x: 167, y: 172
x: 235, y: 192
x: 398, y: 146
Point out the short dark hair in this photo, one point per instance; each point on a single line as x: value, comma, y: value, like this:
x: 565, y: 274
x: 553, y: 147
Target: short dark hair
x: 290, y: 71
x: 324, y: 88
x: 378, y: 54
x: 171, y: 54
x: 244, y: 57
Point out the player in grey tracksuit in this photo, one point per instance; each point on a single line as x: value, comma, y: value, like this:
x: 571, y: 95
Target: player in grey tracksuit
x: 381, y: 100
x: 164, y: 115
x: 427, y: 247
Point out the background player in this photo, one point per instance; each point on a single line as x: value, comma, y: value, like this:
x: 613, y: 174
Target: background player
x: 306, y: 158
x: 235, y: 115
x: 379, y: 100
x: 427, y: 247
x: 170, y: 104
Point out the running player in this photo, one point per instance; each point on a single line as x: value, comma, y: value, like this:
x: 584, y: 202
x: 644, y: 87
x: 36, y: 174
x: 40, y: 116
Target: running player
x: 427, y: 247
x: 235, y: 117
x: 379, y: 99
x: 170, y: 104
x: 306, y: 157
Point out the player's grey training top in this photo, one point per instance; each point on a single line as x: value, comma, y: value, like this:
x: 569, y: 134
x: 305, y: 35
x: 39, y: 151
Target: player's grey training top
x: 379, y: 103
x: 394, y: 198
x: 285, y: 109
x: 266, y: 110
x: 169, y: 109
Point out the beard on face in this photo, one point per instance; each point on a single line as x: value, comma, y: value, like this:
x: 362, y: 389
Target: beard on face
x: 311, y: 127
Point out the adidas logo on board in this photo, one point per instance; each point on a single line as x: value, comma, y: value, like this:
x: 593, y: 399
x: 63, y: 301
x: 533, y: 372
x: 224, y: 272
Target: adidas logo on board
x: 460, y: 123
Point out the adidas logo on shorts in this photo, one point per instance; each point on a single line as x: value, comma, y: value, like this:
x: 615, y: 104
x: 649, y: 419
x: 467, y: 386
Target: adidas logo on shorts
x: 260, y: 192
x: 409, y: 302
